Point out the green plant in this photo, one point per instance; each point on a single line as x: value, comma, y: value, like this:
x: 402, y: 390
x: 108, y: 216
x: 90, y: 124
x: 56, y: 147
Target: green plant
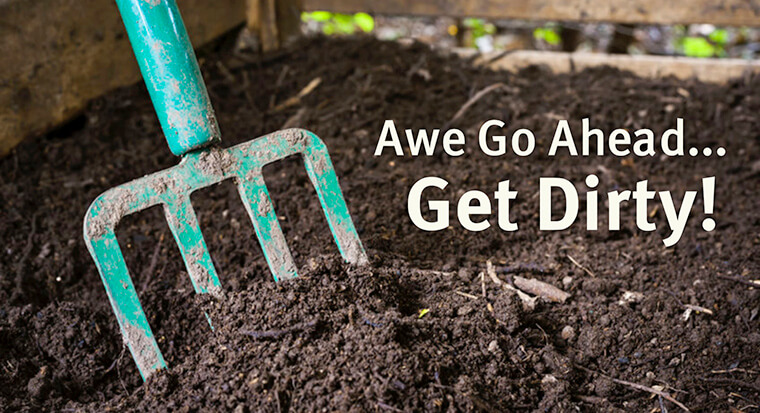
x: 338, y: 23
x: 479, y: 27
x: 719, y: 37
x: 714, y: 44
x: 548, y: 34
x: 697, y: 47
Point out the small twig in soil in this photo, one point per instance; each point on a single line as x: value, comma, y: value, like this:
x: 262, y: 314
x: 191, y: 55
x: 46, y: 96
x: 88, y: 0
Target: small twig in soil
x: 490, y: 269
x: 294, y: 100
x: 78, y: 184
x: 472, y: 101
x: 750, y: 283
x: 666, y: 384
x: 577, y: 264
x: 463, y: 294
x: 698, y: 309
x: 689, y: 307
x: 753, y: 404
x: 541, y: 289
x: 662, y: 405
x: 433, y: 272
x: 282, y: 332
x: 546, y: 337
x: 637, y: 386
x: 729, y: 371
x: 528, y: 302
x: 11, y: 369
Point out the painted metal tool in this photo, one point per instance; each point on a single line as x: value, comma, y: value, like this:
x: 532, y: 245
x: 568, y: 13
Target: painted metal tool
x: 171, y: 72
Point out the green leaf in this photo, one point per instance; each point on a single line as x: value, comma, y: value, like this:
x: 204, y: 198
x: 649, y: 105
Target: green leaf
x: 697, y: 47
x: 318, y: 16
x: 344, y: 24
x: 338, y: 23
x: 423, y: 312
x: 472, y: 22
x: 719, y: 36
x: 364, y: 21
x: 548, y: 35
x: 478, y: 27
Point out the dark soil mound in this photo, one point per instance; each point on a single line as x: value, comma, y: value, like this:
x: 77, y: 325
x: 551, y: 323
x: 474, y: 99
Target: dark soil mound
x: 343, y: 338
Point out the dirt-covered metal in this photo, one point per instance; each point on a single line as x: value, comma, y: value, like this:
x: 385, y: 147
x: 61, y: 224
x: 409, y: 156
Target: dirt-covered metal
x: 168, y: 65
x: 172, y: 188
x: 171, y: 73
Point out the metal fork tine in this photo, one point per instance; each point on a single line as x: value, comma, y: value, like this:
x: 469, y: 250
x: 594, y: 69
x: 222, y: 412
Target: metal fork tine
x: 320, y: 169
x: 126, y: 305
x: 187, y: 233
x: 258, y: 204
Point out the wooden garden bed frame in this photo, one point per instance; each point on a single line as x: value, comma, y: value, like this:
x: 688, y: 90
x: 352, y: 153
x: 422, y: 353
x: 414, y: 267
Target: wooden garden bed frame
x: 59, y: 54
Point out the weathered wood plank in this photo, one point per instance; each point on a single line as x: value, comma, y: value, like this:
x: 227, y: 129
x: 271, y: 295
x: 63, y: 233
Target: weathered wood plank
x: 706, y: 70
x: 724, y: 12
x: 59, y: 54
x: 274, y: 23
x: 262, y: 22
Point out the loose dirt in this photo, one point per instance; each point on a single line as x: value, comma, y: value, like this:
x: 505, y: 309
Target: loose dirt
x: 418, y: 329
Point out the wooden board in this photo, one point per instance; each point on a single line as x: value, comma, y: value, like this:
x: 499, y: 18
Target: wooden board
x: 59, y: 54
x: 723, y: 12
x: 275, y: 23
x: 706, y: 70
x: 262, y: 22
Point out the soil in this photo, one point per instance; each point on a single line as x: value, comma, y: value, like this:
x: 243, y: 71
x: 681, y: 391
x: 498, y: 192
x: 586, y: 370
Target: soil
x: 345, y: 338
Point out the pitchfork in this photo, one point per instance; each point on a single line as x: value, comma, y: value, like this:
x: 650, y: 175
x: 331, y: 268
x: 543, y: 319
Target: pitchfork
x: 173, y: 78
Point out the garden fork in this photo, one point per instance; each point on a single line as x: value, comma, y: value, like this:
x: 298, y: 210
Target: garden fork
x: 170, y: 70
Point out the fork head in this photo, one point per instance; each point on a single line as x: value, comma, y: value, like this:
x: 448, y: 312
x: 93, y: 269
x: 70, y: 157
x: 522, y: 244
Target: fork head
x: 172, y: 187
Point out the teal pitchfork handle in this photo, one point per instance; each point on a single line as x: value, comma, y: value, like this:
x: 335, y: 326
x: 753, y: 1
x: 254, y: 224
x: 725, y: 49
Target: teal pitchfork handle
x: 171, y: 73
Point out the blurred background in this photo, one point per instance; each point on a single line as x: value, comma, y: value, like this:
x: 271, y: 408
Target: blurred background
x: 60, y: 54
x: 696, y: 40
